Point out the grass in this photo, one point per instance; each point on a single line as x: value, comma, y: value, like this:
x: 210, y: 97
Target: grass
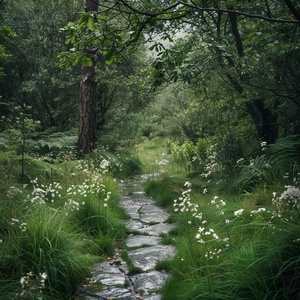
x: 238, y: 250
x: 164, y: 190
x: 54, y: 228
x: 229, y: 246
x: 246, y: 259
x: 154, y: 155
x: 48, y: 244
x: 167, y: 238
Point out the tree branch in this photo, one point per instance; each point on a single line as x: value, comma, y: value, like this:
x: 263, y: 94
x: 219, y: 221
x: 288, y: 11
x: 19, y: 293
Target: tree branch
x: 293, y: 9
x: 193, y: 8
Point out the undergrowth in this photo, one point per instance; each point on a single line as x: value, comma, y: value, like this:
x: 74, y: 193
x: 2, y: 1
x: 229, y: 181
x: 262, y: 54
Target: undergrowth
x: 57, y: 219
x: 242, y: 243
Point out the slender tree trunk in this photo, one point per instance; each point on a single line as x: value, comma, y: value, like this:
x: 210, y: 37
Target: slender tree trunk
x: 87, y: 101
x: 87, y: 111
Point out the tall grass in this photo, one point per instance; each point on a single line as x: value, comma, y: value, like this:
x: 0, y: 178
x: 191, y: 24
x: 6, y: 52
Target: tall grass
x: 54, y: 227
x: 46, y: 243
x: 154, y: 155
x: 232, y: 250
x: 163, y: 190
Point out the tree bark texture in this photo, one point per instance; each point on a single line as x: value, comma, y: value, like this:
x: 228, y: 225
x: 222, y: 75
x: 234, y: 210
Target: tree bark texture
x: 87, y: 101
x: 87, y: 111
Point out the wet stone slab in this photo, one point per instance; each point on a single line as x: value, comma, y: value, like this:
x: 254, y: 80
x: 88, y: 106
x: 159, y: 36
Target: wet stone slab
x: 140, y: 200
x: 141, y: 240
x: 139, y: 193
x: 155, y: 230
x: 134, y: 225
x: 143, y: 228
x: 111, y: 280
x: 116, y: 293
x: 149, y: 282
x: 153, y: 297
x: 151, y: 208
x: 133, y: 211
x: 106, y: 267
x: 154, y: 217
x: 108, y: 273
x: 146, y: 258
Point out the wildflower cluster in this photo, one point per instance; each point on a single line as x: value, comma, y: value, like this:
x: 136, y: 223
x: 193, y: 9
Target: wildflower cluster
x: 89, y: 169
x: 218, y: 204
x: 16, y: 223
x: 42, y: 193
x: 13, y: 191
x: 183, y: 203
x: 212, y: 166
x: 72, y: 205
x: 90, y: 186
x: 208, y: 235
x: 213, y: 253
x: 204, y: 235
x: 106, y: 199
x: 263, y: 146
x: 93, y: 186
x: 202, y: 232
x: 32, y: 285
x: 239, y: 212
x: 289, y: 200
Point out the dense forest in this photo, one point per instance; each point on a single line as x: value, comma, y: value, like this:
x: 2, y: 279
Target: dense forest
x: 199, y: 91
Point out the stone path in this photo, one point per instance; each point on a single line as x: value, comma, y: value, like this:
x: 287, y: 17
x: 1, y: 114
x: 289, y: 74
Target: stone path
x: 111, y: 279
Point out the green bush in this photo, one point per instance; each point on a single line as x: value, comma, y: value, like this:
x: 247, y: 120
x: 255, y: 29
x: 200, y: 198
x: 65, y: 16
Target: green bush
x: 278, y: 165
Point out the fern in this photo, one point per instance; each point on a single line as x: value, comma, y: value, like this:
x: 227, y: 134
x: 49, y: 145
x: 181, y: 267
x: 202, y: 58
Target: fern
x: 58, y: 140
x: 286, y: 149
x: 3, y: 143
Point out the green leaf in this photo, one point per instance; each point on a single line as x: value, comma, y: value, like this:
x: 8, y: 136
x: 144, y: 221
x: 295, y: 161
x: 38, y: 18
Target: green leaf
x: 91, y: 24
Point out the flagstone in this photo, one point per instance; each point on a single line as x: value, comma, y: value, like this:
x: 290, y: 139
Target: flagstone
x: 110, y: 279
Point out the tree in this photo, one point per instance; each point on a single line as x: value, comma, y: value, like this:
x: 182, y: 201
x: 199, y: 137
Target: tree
x: 32, y: 74
x: 227, y: 31
x: 6, y: 36
x: 88, y: 95
x: 224, y: 29
x: 94, y: 48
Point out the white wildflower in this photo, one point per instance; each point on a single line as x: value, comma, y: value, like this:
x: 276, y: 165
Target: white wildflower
x: 238, y: 212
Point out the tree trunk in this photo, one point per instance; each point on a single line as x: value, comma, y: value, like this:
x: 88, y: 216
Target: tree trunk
x: 87, y: 101
x: 87, y: 111
x: 265, y: 121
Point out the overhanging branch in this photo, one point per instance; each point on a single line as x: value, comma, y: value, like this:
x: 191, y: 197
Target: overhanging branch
x: 174, y: 9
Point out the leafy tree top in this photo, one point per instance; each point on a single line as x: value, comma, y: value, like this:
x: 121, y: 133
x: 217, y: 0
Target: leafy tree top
x: 119, y: 24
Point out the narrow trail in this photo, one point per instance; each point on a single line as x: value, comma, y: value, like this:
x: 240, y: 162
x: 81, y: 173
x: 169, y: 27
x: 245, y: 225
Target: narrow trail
x: 110, y: 279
